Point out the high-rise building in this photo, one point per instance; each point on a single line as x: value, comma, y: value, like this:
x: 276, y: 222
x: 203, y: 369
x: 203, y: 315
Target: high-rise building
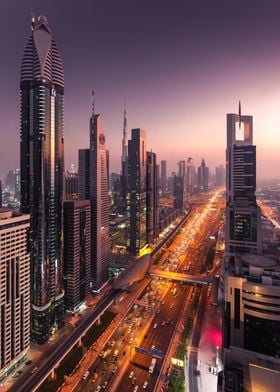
x: 179, y: 193
x: 163, y: 176
x: 190, y: 176
x: 203, y: 177
x: 136, y: 192
x: 250, y: 281
x: 77, y: 252
x: 243, y: 214
x: 220, y: 176
x: 71, y: 185
x: 15, y: 288
x: 152, y: 199
x: 42, y: 166
x: 94, y: 184
x: 124, y: 165
x: 182, y: 169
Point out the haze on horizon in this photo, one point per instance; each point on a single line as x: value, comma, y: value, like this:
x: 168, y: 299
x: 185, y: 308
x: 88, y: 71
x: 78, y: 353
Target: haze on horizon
x: 178, y: 66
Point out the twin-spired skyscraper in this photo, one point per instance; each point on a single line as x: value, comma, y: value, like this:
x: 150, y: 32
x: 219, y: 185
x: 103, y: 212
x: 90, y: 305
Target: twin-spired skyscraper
x: 42, y: 166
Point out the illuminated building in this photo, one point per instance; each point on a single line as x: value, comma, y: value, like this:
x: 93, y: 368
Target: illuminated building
x: 136, y: 192
x: 77, y: 252
x: 71, y: 185
x: 15, y: 289
x: 190, y: 176
x: 94, y: 185
x: 42, y: 166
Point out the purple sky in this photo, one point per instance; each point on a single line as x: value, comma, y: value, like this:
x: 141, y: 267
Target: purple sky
x: 179, y: 66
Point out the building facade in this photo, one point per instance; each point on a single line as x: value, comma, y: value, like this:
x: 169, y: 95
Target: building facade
x: 71, y: 185
x: 14, y: 289
x: 203, y: 177
x: 136, y: 192
x: 163, y: 177
x: 179, y: 193
x: 42, y: 166
x: 94, y: 185
x: 77, y: 253
x: 152, y: 198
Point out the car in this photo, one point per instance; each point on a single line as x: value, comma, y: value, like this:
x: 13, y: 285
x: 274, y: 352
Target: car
x: 95, y: 377
x: 19, y: 371
x: 34, y: 369
x: 114, y: 369
x: 131, y: 374
x: 134, y: 381
x: 105, y: 384
x: 115, y: 353
x: 104, y: 370
x: 163, y: 302
x: 98, y: 388
x: 158, y: 311
x: 28, y: 362
x: 113, y: 343
x: 123, y: 353
x: 130, y: 341
x: 155, y: 325
x: 145, y: 384
x: 136, y: 388
x: 153, y: 347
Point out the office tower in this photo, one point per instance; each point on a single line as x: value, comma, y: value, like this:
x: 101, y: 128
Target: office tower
x: 10, y: 182
x: 179, y: 193
x: 220, y: 178
x: 0, y: 194
x: 136, y: 192
x: 203, y: 177
x: 152, y: 198
x: 71, y: 185
x: 163, y: 176
x: 84, y: 174
x: 42, y: 166
x: 124, y: 167
x: 182, y: 169
x: 243, y: 232
x: 251, y: 281
x: 15, y: 288
x: 94, y: 185
x: 77, y: 253
x: 190, y: 176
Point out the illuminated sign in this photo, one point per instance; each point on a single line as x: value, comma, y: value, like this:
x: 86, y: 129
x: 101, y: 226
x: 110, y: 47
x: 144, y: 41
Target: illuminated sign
x: 177, y: 362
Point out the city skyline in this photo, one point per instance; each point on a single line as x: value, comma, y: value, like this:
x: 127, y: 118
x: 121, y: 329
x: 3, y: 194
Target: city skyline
x: 165, y: 76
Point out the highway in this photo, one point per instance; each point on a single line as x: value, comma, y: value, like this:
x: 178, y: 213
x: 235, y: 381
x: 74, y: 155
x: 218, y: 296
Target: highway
x: 37, y: 379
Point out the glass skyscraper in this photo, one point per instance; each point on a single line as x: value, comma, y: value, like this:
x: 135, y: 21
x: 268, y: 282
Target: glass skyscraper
x: 42, y: 165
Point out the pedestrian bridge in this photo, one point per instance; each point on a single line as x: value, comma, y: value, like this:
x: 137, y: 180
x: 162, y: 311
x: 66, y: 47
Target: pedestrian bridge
x: 180, y: 277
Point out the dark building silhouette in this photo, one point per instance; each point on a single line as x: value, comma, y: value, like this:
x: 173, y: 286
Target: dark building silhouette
x: 203, y: 177
x: 71, y: 185
x: 136, y: 192
x: 42, y: 167
x: 77, y: 252
x: 163, y: 176
x: 152, y: 198
x: 179, y: 193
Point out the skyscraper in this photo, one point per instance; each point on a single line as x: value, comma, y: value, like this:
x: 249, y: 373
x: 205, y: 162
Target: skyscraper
x: 190, y: 176
x: 203, y: 177
x: 163, y: 176
x: 179, y: 193
x: 136, y: 192
x: 71, y: 185
x: 243, y: 214
x: 182, y: 169
x: 93, y: 174
x: 220, y: 176
x: 42, y: 166
x: 77, y: 252
x: 152, y: 198
x: 15, y: 288
x: 124, y: 165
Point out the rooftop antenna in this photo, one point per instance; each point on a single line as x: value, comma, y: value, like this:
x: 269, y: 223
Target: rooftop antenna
x: 33, y: 20
x: 239, y: 114
x: 92, y: 94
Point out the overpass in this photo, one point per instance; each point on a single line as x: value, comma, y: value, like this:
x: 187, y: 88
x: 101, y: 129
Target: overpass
x: 68, y: 343
x: 179, y: 277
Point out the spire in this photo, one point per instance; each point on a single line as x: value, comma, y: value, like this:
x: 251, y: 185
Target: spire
x: 239, y: 114
x: 92, y: 94
x: 33, y: 20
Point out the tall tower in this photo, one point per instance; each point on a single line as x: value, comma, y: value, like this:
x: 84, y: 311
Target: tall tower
x: 243, y: 233
x: 136, y: 193
x: 124, y: 162
x: 152, y: 198
x: 163, y: 176
x: 42, y: 166
x: 94, y: 184
x: 124, y: 139
x: 203, y: 176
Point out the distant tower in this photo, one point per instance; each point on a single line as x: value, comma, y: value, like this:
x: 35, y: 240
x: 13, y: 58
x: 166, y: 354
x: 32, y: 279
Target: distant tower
x: 124, y: 139
x: 163, y: 176
x: 42, y: 167
x: 94, y: 184
x: 203, y: 176
x: 136, y: 191
x: 190, y: 175
x: 152, y: 198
